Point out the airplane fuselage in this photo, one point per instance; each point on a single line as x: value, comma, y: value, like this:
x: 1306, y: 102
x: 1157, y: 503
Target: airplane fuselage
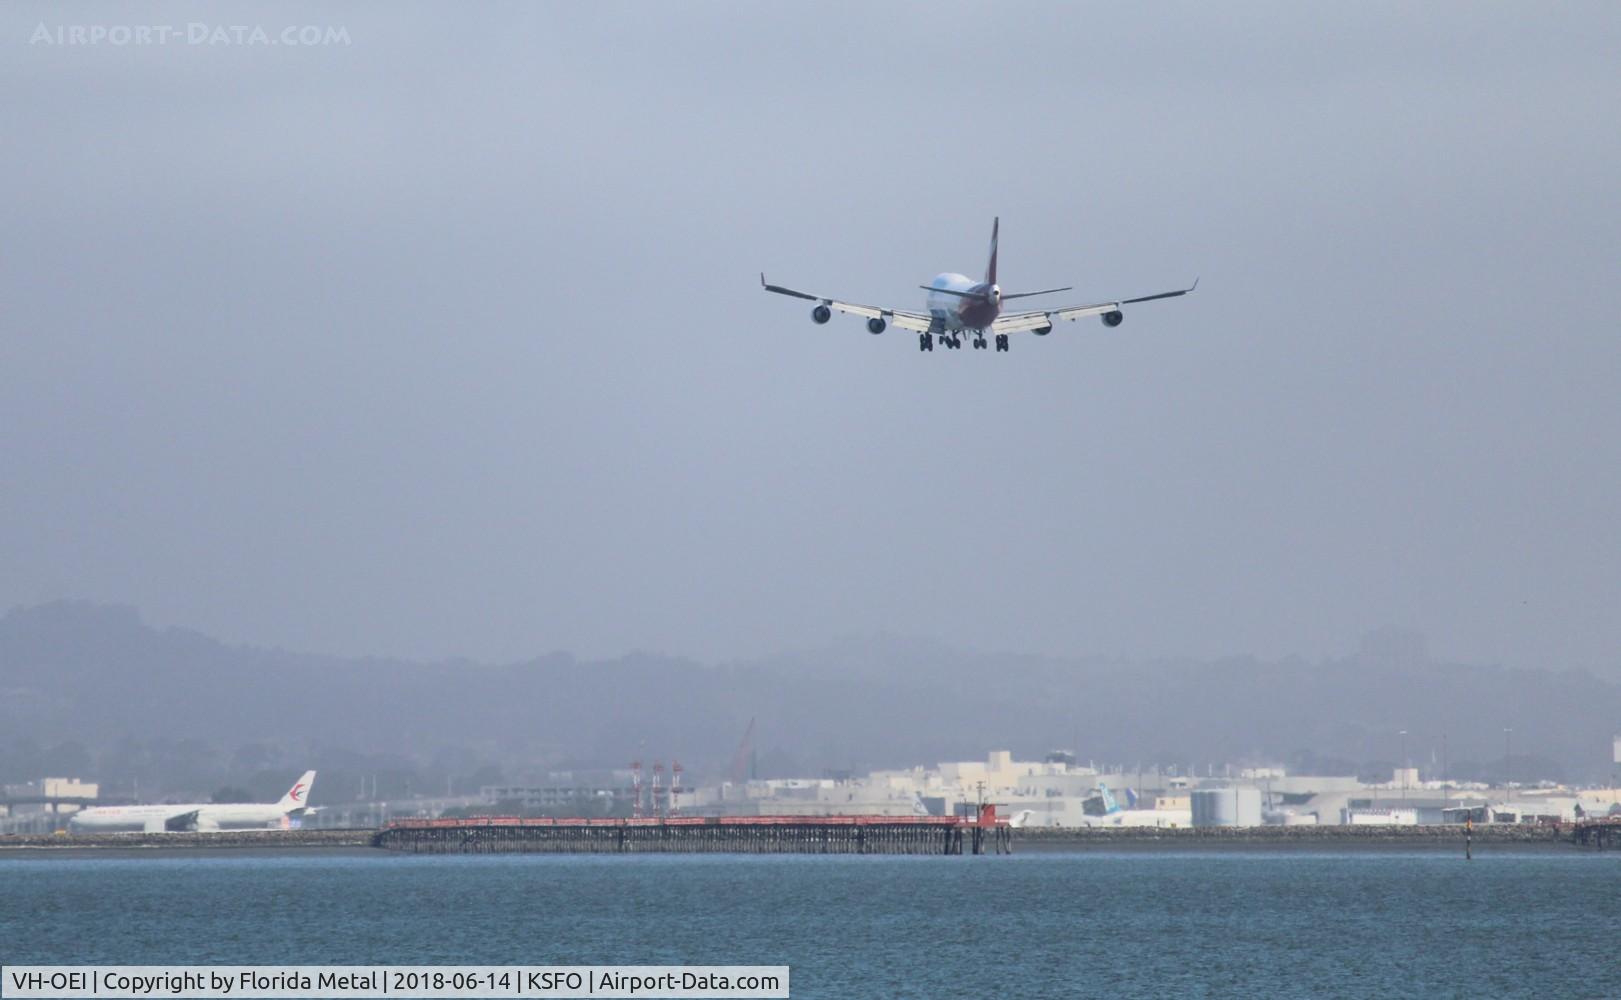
x: 975, y: 307
x: 182, y: 816
x: 199, y: 815
x: 1141, y: 817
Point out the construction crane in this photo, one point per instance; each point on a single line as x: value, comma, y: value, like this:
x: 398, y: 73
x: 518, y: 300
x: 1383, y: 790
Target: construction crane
x: 743, y: 760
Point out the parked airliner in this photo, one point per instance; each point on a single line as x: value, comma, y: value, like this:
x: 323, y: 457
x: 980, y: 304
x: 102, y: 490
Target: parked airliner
x: 1104, y: 810
x: 958, y: 305
x: 205, y: 816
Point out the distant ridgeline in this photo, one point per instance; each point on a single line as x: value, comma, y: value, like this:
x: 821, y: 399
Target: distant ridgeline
x: 93, y: 680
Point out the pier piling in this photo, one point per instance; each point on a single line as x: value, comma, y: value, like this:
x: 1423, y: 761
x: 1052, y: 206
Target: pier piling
x: 687, y: 835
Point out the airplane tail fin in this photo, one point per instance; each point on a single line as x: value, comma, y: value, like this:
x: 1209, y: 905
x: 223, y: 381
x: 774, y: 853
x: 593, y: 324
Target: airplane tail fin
x: 298, y: 795
x: 1109, y: 803
x: 1131, y: 798
x: 990, y: 269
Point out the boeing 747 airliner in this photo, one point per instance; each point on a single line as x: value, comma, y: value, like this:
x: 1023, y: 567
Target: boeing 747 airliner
x: 958, y: 306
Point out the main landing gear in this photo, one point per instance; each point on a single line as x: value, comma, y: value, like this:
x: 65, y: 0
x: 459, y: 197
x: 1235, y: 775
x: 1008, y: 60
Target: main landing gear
x: 952, y: 341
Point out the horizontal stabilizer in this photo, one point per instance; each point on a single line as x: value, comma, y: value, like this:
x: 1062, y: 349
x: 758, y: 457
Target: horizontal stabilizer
x: 1044, y: 291
x: 961, y: 295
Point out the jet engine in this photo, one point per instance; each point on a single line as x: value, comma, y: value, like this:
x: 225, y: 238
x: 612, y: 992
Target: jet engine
x: 876, y: 325
x: 1114, y: 318
x: 821, y: 314
x: 1042, y: 331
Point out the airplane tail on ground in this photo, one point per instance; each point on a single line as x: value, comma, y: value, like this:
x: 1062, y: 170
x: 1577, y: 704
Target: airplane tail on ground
x: 1110, y: 806
x: 1131, y: 798
x: 1021, y: 818
x: 297, y: 796
x: 990, y: 269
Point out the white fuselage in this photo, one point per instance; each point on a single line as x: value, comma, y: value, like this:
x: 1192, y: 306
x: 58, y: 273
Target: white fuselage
x: 960, y: 312
x: 184, y: 816
x: 1141, y: 817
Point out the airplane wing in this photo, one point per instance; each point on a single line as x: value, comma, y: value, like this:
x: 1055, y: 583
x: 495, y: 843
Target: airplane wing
x: 915, y: 321
x: 173, y: 822
x: 1045, y: 318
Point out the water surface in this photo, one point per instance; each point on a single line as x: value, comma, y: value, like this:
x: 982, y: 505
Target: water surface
x: 1180, y: 924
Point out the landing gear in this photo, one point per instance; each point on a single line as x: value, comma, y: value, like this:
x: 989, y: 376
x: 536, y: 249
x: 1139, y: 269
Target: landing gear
x: 954, y: 341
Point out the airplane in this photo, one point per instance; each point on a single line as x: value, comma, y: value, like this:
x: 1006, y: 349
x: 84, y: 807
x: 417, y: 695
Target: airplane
x: 957, y: 305
x: 1109, y: 812
x: 206, y: 817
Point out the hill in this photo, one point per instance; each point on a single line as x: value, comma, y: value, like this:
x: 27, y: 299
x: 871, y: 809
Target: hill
x: 99, y: 688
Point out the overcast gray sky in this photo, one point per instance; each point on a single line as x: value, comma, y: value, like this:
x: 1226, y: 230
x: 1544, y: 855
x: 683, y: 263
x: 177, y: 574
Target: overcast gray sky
x: 449, y: 340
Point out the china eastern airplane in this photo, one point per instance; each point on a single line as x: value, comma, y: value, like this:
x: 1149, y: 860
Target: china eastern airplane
x: 203, y: 816
x: 959, y: 306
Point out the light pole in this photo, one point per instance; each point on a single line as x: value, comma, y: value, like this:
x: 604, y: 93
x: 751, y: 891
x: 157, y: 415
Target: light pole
x: 1508, y: 773
x: 1508, y: 770
x: 1404, y: 766
x: 1446, y: 777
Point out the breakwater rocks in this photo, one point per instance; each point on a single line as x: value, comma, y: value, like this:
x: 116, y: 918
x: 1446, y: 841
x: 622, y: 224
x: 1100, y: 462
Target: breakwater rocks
x: 1448, y: 837
x: 187, y: 840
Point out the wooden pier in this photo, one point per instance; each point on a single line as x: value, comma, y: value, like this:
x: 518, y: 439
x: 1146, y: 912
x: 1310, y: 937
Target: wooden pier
x: 1603, y: 834
x: 702, y: 835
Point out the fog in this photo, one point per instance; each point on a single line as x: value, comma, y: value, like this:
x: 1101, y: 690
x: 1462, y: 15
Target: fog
x: 449, y: 341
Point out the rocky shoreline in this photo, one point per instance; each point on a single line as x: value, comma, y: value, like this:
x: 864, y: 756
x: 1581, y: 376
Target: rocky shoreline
x: 1449, y: 837
x: 224, y: 840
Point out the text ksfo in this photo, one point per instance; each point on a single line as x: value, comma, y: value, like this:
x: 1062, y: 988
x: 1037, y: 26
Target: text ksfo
x: 458, y: 982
